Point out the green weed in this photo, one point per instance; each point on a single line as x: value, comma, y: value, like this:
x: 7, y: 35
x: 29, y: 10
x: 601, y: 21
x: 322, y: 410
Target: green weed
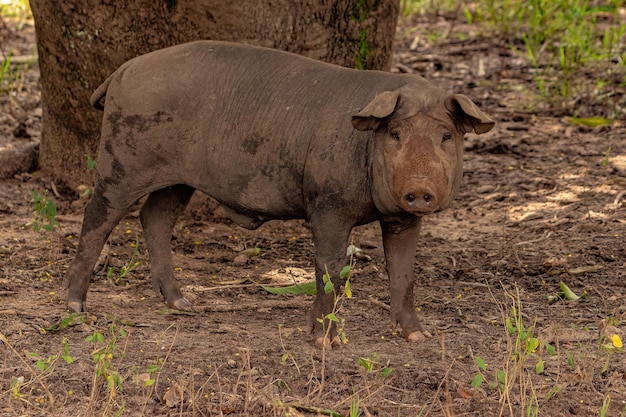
x: 45, y: 212
x: 6, y: 65
x: 91, y: 163
x: 563, y: 41
x: 103, y: 355
x: 126, y: 269
x: 575, y: 46
x: 524, y: 351
x: 611, y: 345
x: 414, y: 7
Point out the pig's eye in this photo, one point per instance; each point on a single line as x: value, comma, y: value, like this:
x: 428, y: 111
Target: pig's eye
x: 446, y: 137
x: 395, y: 136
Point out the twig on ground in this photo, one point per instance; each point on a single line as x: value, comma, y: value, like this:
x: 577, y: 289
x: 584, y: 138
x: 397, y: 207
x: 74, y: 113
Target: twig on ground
x: 256, y: 306
x: 618, y: 197
x: 378, y: 303
x: 546, y: 235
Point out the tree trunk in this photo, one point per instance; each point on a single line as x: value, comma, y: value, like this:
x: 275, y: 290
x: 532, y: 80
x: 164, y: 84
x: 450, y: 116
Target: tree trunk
x: 80, y: 42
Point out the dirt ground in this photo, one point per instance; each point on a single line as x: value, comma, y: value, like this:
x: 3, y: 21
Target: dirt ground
x: 541, y: 203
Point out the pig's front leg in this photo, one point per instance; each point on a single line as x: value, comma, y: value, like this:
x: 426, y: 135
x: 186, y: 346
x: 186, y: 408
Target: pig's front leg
x: 330, y: 237
x: 400, y: 243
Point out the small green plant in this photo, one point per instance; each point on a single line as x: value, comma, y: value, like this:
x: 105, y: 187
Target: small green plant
x: 45, y: 365
x: 15, y: 388
x: 523, y: 349
x: 605, y: 405
x: 611, y: 344
x: 105, y: 351
x: 355, y: 405
x: 126, y: 269
x: 65, y: 355
x: 331, y: 317
x: 4, y: 68
x: 571, y: 364
x: 607, y: 154
x: 91, y: 163
x: 371, y: 366
x: 152, y: 370
x: 45, y: 212
x: 563, y: 40
x: 414, y: 7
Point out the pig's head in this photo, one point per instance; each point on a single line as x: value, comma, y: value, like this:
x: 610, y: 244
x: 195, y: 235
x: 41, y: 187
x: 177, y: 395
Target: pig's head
x: 418, y: 156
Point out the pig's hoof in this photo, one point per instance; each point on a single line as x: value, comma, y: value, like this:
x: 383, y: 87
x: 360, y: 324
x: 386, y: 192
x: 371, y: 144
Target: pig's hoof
x: 418, y: 336
x: 75, y: 306
x: 325, y: 343
x: 181, y: 304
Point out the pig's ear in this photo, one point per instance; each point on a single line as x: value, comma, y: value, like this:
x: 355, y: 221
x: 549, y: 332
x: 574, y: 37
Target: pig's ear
x: 467, y: 115
x: 372, y: 115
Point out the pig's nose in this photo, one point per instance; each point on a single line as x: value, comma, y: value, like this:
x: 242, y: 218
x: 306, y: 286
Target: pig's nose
x: 421, y: 199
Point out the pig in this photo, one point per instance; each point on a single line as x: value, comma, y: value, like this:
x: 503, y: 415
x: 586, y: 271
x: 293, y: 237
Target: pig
x: 273, y: 135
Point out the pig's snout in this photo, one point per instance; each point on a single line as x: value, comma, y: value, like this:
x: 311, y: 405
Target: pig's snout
x: 420, y: 198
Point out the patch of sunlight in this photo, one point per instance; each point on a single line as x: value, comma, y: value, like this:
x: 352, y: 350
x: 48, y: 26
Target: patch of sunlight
x: 568, y: 195
x: 533, y: 210
x: 289, y: 275
x: 618, y: 161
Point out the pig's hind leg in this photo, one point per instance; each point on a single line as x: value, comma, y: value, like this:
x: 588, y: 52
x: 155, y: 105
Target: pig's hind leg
x: 158, y: 216
x: 99, y: 220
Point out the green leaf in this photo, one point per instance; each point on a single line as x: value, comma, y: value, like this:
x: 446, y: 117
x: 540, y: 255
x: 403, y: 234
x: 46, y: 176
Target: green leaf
x: 149, y: 382
x: 365, y: 364
x: 532, y: 344
x: 480, y: 362
x: 500, y: 375
x: 329, y: 287
x: 539, y: 367
x: 386, y: 371
x: 41, y: 365
x: 153, y: 368
x: 345, y: 272
x: 567, y: 293
x: 587, y: 121
x: 252, y: 252
x: 304, y: 288
x: 332, y: 317
x: 550, y: 349
x: 477, y: 381
x: 66, y: 352
x: 348, y: 289
x: 570, y: 361
x: 553, y: 392
x: 509, y: 326
x: 73, y: 319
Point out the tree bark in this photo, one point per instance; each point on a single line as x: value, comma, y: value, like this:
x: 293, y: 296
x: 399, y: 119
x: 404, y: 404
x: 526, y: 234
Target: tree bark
x: 80, y: 42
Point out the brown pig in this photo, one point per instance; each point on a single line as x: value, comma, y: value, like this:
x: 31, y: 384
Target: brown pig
x: 272, y: 135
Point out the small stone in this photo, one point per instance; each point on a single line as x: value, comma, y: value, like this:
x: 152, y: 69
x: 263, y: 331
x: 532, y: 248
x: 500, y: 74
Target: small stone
x: 240, y: 260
